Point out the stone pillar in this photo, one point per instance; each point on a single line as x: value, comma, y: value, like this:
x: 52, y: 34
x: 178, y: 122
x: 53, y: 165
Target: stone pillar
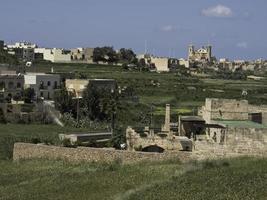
x: 167, y: 119
x: 179, y: 125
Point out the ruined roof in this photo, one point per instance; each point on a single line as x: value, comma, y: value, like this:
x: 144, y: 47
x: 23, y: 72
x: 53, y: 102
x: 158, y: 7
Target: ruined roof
x: 240, y: 124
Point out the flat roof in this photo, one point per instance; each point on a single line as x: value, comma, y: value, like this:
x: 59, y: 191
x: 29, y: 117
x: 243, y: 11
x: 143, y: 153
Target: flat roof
x: 90, y: 134
x: 192, y: 118
x: 241, y: 124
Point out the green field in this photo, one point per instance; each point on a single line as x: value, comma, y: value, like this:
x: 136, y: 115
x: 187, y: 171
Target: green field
x: 184, y: 93
x: 39, y: 179
x: 10, y: 133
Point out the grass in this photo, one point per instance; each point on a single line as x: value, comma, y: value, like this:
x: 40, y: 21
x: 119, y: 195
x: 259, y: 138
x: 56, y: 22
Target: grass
x: 243, y: 178
x: 236, y: 179
x: 11, y: 133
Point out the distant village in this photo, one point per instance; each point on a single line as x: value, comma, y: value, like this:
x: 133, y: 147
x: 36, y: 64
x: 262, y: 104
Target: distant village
x: 197, y: 58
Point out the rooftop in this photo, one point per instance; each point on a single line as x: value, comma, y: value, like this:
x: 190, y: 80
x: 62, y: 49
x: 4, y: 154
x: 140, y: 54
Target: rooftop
x: 240, y: 124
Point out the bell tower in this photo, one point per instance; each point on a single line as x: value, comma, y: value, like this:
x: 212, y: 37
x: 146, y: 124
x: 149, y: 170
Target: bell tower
x: 209, y: 52
x: 191, y: 51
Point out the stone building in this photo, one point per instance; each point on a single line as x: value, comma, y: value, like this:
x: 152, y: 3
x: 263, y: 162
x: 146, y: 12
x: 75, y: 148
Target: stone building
x: 79, y: 85
x: 160, y: 64
x: 54, y: 55
x: 230, y: 119
x: 44, y: 85
x: 82, y: 55
x: 76, y: 86
x: 202, y: 54
x: 22, y: 50
x: 11, y: 85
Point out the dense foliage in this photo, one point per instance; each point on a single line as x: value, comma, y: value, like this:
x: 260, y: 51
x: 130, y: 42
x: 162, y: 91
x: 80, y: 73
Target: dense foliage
x: 7, y: 58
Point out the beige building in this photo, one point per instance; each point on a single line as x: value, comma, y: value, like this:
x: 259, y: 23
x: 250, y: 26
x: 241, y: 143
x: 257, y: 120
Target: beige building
x: 82, y: 55
x: 202, y: 54
x: 54, y: 55
x: 77, y: 86
x: 227, y: 118
x: 161, y: 64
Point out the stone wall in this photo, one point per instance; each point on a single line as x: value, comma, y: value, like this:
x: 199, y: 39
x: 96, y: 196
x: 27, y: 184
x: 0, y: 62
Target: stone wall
x: 225, y: 109
x: 203, y: 151
x: 238, y: 141
x: 85, y: 154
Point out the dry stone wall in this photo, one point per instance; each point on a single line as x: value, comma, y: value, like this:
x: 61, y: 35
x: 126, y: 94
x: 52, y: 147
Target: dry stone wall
x: 202, y: 151
x: 85, y: 154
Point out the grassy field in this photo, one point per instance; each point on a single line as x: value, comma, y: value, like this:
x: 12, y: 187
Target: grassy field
x: 10, y: 133
x: 229, y: 179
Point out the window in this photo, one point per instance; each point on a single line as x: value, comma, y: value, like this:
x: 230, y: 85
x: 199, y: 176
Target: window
x: 18, y: 85
x: 10, y: 85
x: 48, y: 83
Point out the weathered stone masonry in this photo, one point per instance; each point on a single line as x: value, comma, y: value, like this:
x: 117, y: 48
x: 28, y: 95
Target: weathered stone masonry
x: 85, y: 154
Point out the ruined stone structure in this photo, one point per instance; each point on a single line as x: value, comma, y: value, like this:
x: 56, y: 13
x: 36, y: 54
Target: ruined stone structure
x: 159, y: 142
x: 202, y: 54
x: 235, y: 125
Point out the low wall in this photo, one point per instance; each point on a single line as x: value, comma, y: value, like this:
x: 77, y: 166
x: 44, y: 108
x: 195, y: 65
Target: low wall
x: 85, y: 154
x: 203, y: 151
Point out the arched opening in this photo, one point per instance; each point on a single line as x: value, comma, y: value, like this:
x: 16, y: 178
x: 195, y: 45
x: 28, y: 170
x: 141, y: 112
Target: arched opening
x: 153, y: 148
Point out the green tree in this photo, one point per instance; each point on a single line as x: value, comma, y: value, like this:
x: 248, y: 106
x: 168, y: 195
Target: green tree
x: 99, y: 104
x: 28, y: 95
x: 127, y: 55
x: 64, y: 101
x: 105, y: 54
x: 7, y: 58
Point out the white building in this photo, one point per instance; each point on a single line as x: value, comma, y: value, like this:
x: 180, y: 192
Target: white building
x: 54, y: 55
x: 22, y: 45
x: 161, y: 64
x: 184, y: 62
x: 44, y: 85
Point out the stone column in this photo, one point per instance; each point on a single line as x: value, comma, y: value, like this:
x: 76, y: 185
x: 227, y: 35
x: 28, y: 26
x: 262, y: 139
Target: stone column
x: 167, y: 119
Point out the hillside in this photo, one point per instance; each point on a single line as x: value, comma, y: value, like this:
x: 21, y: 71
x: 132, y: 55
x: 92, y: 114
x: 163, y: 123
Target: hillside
x: 243, y: 178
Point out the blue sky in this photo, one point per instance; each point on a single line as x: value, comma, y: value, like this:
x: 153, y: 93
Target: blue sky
x: 235, y: 28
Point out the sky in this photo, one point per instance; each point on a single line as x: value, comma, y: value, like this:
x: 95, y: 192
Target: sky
x: 237, y: 29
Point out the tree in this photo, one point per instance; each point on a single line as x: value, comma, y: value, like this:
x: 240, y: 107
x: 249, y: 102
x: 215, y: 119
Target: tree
x: 99, y: 104
x: 28, y: 95
x: 7, y: 58
x: 104, y: 54
x: 127, y: 55
x: 64, y: 102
